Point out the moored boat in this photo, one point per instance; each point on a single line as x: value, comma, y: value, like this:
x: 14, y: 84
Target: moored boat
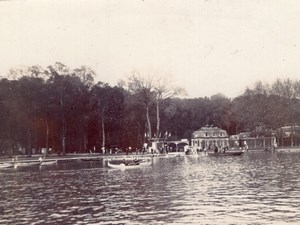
x: 26, y: 163
x: 90, y: 159
x: 226, y: 153
x: 129, y: 164
x: 5, y: 165
x: 48, y: 162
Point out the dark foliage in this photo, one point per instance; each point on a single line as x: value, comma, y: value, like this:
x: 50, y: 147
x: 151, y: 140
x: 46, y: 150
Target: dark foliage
x: 64, y: 110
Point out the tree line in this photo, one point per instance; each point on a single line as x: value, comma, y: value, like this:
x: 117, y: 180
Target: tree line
x: 65, y: 110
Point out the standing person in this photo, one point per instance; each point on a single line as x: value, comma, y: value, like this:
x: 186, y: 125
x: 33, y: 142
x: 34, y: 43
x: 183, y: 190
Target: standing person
x: 216, y: 149
x: 224, y: 150
x: 274, y: 145
x: 246, y: 145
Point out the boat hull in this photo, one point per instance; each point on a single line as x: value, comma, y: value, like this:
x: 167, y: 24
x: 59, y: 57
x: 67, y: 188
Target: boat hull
x: 48, y: 162
x: 5, y: 165
x: 22, y: 164
x: 91, y: 159
x: 124, y: 166
x: 227, y: 153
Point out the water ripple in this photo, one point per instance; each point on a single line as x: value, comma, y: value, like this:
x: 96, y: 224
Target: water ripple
x: 257, y: 188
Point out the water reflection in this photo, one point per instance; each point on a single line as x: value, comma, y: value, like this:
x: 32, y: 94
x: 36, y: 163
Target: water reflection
x: 257, y: 188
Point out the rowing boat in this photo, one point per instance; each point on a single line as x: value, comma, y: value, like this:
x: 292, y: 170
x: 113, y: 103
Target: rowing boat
x: 91, y: 159
x: 31, y: 163
x: 129, y: 165
x: 227, y: 153
x: 48, y: 162
x: 5, y: 165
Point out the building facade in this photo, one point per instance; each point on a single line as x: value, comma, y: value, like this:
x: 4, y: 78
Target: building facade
x: 209, y: 138
x: 288, y: 136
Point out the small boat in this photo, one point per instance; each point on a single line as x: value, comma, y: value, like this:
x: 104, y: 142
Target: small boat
x: 48, y: 162
x: 159, y: 155
x: 227, y: 153
x: 26, y: 163
x: 91, y: 159
x: 129, y: 164
x: 5, y: 165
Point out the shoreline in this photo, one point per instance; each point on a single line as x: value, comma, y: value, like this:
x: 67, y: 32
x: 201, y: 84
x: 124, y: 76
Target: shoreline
x: 78, y: 156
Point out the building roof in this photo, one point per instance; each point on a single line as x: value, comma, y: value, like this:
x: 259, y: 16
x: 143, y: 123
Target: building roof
x: 209, y: 132
x: 290, y: 128
x: 287, y: 131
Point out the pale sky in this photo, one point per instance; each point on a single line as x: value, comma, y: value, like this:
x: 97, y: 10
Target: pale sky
x: 207, y: 47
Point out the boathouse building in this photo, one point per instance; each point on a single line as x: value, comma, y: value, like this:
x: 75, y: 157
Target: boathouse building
x: 209, y: 137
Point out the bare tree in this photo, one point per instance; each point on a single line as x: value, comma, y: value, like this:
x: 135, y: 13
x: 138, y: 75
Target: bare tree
x: 164, y: 88
x: 144, y: 89
x: 152, y: 89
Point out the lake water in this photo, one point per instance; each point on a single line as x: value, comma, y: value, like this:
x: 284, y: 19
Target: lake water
x: 256, y: 188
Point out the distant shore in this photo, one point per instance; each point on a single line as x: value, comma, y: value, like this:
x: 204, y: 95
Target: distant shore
x: 78, y: 156
x: 71, y: 157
